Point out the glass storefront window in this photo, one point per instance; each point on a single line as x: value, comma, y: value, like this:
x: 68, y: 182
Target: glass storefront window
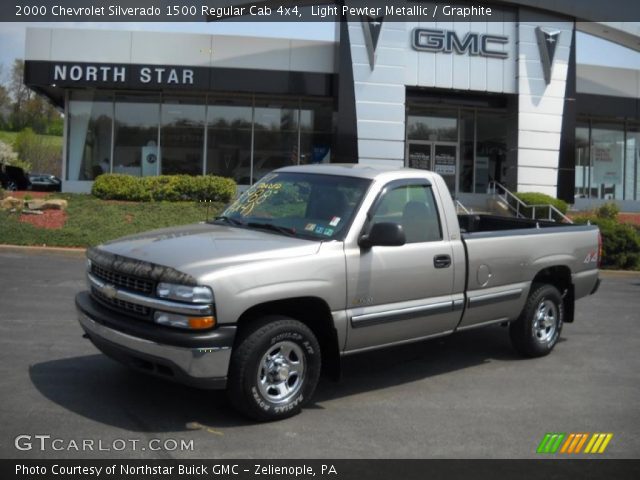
x: 316, y: 132
x: 433, y: 124
x: 275, y: 141
x: 607, y: 160
x: 152, y: 134
x: 467, y: 139
x: 181, y: 137
x: 607, y: 154
x: 583, y: 163
x: 89, y: 143
x: 229, y: 138
x: 632, y: 177
x: 491, y: 149
x: 137, y: 119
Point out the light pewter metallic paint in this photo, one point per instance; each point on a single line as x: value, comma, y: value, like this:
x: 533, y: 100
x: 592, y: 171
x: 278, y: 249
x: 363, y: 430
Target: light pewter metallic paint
x: 379, y: 296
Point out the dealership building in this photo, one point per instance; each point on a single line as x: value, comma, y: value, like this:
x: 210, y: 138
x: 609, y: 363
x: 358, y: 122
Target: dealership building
x: 501, y: 100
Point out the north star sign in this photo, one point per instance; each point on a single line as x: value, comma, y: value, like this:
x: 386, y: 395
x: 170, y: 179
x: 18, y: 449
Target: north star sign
x: 447, y: 41
x: 86, y: 73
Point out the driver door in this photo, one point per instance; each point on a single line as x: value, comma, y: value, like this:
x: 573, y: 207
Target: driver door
x: 401, y: 293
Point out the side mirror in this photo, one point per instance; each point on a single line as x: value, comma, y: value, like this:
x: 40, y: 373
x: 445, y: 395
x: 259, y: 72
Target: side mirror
x: 385, y: 234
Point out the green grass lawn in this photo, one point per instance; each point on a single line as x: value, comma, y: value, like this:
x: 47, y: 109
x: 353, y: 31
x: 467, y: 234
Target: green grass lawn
x: 10, y: 138
x: 92, y: 221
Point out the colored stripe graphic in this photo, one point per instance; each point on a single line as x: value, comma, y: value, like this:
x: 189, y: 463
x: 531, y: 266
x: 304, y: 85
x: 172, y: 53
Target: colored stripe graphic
x: 574, y: 443
x: 598, y: 443
x: 550, y: 443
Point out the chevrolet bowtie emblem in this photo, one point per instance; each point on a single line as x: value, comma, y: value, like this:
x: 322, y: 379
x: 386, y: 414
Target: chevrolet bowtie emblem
x: 109, y: 291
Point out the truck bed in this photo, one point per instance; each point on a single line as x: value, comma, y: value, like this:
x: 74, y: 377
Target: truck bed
x: 473, y: 223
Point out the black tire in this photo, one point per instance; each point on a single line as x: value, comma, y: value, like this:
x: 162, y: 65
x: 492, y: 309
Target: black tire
x: 538, y: 328
x: 269, y: 350
x: 12, y: 186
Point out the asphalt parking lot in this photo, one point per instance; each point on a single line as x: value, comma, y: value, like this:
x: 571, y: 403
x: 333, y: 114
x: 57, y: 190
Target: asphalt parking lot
x: 465, y: 396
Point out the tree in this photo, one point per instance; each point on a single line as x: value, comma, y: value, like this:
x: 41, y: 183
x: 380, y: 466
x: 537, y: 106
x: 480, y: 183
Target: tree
x: 28, y: 109
x: 20, y: 94
x: 5, y: 107
x: 39, y: 152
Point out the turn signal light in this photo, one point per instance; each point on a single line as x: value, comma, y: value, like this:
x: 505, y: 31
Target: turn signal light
x: 200, y: 323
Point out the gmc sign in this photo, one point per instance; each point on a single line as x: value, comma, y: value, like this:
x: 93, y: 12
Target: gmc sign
x: 446, y: 41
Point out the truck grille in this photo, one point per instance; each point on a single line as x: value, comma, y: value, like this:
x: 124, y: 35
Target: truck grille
x: 121, y: 305
x: 127, y: 282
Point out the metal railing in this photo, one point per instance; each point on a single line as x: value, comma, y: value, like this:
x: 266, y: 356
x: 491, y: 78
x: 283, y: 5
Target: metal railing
x: 521, y: 209
x: 460, y: 206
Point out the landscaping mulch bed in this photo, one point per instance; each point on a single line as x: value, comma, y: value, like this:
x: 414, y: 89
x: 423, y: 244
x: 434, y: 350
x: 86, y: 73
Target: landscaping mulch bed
x: 32, y: 194
x: 50, y: 219
x: 629, y: 218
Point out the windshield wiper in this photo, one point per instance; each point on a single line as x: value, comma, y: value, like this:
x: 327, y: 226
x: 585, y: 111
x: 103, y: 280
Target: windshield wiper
x: 229, y: 220
x: 276, y: 228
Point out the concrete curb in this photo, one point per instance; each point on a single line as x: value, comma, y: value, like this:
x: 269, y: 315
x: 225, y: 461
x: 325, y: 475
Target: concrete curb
x: 37, y: 249
x: 619, y: 273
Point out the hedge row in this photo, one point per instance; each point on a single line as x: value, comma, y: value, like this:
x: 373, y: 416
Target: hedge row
x: 114, y: 186
x: 620, y: 241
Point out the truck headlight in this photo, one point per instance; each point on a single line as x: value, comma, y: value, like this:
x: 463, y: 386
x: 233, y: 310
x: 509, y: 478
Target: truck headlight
x: 184, y: 293
x: 182, y: 321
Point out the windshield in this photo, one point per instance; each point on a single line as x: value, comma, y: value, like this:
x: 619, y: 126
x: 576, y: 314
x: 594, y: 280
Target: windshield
x: 299, y: 204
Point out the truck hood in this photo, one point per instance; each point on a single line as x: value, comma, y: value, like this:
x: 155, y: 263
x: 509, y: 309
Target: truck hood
x: 198, y: 249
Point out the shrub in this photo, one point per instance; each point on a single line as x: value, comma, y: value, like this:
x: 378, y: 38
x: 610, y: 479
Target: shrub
x: 119, y: 187
x: 608, y: 210
x: 164, y: 187
x: 535, y: 198
x: 620, y: 242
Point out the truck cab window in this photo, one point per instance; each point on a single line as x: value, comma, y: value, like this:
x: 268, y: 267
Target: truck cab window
x: 413, y: 207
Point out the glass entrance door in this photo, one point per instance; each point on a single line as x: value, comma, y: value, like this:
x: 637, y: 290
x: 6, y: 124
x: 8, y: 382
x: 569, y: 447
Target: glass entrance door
x: 435, y: 156
x: 419, y: 155
x: 444, y: 163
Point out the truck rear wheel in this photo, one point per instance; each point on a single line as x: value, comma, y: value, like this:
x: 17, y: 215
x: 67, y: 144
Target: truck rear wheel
x: 274, y: 369
x: 538, y: 328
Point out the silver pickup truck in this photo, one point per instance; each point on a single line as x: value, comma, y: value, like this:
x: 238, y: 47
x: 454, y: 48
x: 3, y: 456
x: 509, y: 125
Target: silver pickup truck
x: 316, y: 262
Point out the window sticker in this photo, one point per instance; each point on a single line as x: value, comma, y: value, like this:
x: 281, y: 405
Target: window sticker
x: 310, y: 227
x: 334, y: 221
x: 319, y: 230
x: 328, y: 232
x: 254, y: 197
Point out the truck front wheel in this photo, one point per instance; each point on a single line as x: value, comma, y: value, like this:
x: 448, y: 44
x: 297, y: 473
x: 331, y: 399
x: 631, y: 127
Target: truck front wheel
x: 274, y: 368
x: 538, y: 328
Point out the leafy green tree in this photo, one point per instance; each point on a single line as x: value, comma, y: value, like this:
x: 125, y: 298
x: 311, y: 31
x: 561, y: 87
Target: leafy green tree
x: 39, y: 152
x: 28, y: 109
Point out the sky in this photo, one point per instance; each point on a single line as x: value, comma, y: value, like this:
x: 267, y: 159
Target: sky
x: 590, y: 50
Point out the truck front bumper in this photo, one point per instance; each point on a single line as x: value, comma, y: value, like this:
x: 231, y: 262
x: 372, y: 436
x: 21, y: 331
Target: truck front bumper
x: 197, y: 359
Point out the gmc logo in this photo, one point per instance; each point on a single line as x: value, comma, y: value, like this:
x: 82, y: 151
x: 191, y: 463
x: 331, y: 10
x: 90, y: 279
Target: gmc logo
x: 475, y: 44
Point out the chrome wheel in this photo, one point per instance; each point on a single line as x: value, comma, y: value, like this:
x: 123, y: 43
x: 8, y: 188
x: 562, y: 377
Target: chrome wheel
x: 281, y: 372
x: 545, y: 322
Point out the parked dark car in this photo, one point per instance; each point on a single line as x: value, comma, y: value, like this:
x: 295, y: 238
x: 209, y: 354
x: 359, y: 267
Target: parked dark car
x: 13, y: 178
x: 45, y: 182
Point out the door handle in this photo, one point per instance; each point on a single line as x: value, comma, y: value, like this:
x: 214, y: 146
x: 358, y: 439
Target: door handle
x: 442, y: 261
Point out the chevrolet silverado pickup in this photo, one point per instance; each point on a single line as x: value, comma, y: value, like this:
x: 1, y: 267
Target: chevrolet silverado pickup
x: 316, y: 262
